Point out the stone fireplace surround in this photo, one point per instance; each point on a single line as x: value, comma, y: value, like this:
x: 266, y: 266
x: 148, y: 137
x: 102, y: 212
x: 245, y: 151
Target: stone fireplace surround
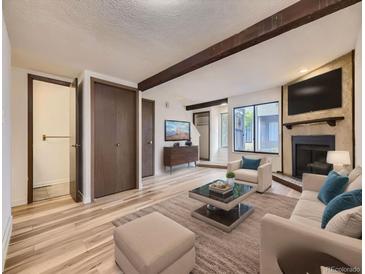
x: 342, y: 132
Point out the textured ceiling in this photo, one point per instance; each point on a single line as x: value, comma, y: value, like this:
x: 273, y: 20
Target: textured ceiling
x: 123, y: 38
x: 273, y: 62
x: 136, y: 39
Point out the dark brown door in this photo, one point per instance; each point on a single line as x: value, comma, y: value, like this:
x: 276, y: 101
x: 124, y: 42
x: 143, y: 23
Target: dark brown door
x: 126, y: 139
x: 75, y: 141
x: 148, y: 134
x: 114, y: 139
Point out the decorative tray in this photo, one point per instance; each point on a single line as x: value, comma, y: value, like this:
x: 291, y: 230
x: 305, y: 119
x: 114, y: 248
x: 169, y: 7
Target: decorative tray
x: 221, y: 187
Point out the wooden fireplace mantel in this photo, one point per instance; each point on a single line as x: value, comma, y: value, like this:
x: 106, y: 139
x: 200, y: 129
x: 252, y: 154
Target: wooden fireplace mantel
x: 331, y: 121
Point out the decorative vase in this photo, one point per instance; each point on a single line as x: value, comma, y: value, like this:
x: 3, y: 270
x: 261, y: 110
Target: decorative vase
x: 230, y: 181
x: 188, y: 143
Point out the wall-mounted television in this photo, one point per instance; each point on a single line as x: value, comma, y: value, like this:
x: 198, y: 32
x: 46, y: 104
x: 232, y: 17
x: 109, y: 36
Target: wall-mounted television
x: 318, y: 93
x: 177, y: 130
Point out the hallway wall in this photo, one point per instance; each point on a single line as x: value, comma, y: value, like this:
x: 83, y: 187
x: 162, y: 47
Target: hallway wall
x: 6, y: 143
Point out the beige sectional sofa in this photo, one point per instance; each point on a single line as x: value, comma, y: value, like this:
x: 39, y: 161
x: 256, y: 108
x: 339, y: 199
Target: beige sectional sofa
x: 262, y: 176
x: 303, y: 230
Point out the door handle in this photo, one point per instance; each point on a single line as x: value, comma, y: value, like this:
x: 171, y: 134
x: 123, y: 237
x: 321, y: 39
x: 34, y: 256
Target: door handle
x: 150, y: 142
x: 76, y: 145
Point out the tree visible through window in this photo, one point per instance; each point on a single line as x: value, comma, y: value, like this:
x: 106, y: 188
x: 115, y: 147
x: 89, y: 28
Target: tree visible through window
x: 243, y: 131
x: 256, y: 128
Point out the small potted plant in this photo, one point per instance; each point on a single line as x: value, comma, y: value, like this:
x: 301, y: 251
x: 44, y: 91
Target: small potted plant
x: 230, y: 178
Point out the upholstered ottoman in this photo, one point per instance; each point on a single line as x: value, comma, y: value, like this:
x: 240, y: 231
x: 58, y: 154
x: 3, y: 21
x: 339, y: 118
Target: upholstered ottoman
x: 154, y: 244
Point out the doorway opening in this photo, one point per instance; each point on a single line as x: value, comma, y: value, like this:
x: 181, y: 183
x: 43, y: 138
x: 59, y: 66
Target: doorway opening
x: 212, y: 126
x: 202, y: 123
x: 54, y: 156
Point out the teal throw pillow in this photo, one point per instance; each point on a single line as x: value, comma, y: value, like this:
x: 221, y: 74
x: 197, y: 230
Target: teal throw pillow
x: 247, y: 163
x: 334, y: 185
x: 342, y: 202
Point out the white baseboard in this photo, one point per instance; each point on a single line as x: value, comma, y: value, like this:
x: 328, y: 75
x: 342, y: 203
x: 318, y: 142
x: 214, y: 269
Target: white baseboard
x: 51, y: 182
x: 86, y: 199
x: 19, y: 202
x: 6, y: 238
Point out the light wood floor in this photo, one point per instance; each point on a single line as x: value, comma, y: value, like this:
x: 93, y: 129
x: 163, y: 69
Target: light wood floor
x: 51, y: 191
x: 60, y: 236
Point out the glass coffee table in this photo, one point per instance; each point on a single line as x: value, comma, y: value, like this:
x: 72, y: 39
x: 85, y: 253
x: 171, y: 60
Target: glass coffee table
x: 223, y: 211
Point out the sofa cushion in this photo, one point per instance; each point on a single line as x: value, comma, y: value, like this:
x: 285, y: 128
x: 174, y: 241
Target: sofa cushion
x: 247, y: 175
x: 342, y: 202
x: 248, y: 163
x: 309, y: 195
x: 264, y: 160
x: 153, y: 242
x: 356, y: 172
x: 355, y: 184
x: 347, y: 222
x: 343, y: 171
x: 312, y: 210
x: 334, y: 185
x: 305, y: 221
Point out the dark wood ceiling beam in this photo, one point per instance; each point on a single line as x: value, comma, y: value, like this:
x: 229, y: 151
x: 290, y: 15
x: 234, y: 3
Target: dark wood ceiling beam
x: 294, y: 16
x: 207, y: 104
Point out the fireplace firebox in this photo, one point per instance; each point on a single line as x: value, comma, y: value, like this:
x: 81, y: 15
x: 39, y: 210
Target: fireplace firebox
x: 309, y: 154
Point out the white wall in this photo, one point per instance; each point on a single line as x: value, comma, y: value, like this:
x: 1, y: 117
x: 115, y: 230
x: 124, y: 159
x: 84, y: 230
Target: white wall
x: 51, y: 116
x: 174, y: 110
x: 358, y: 101
x: 258, y: 97
x: 19, y: 118
x: 6, y: 143
x: 86, y: 128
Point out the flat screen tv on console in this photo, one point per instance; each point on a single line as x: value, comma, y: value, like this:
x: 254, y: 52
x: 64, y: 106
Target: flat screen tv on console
x: 318, y: 93
x: 177, y: 130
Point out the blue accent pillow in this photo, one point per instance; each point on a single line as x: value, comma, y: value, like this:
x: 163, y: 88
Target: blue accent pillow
x: 247, y: 163
x: 334, y: 185
x: 342, y: 202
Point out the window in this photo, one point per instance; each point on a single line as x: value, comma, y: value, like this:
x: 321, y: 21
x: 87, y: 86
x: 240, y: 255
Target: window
x: 267, y: 127
x: 256, y: 128
x: 224, y: 129
x: 243, y: 129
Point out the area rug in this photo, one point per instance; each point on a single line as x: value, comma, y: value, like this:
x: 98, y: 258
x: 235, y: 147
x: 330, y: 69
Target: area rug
x: 218, y: 251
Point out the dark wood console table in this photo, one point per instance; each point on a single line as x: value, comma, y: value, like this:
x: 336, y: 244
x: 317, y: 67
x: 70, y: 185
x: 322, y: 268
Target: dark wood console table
x: 179, y: 155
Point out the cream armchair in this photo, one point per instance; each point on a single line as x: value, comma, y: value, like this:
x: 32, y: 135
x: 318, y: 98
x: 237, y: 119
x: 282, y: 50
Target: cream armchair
x: 303, y: 231
x: 262, y: 176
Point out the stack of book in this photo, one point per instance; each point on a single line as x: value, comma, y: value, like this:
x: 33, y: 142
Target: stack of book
x: 221, y: 188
